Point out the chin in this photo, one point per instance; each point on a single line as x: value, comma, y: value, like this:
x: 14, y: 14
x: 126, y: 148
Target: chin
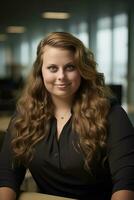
x: 63, y: 95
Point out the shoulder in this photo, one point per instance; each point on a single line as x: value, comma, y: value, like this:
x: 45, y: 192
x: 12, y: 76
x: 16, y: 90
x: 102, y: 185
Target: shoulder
x: 118, y: 114
x: 116, y: 111
x: 119, y: 124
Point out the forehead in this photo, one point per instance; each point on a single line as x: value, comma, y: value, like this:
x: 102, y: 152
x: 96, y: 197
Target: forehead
x: 51, y: 52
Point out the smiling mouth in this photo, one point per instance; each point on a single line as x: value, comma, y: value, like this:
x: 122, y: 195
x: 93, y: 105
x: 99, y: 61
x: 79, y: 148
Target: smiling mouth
x: 63, y: 85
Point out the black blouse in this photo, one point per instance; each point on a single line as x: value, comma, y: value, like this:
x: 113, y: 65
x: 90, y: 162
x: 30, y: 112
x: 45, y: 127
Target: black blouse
x: 58, y: 166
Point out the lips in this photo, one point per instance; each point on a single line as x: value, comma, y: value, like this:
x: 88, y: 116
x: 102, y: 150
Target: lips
x: 63, y: 85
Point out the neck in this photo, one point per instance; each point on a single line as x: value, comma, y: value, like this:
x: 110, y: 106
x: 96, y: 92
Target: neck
x: 62, y: 108
x: 62, y: 104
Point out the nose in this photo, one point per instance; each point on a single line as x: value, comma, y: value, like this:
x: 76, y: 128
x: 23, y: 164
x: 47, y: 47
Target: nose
x: 61, y: 74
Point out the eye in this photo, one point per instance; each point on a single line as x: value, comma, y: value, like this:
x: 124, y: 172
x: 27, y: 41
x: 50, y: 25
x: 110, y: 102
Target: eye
x: 70, y: 67
x: 52, y: 68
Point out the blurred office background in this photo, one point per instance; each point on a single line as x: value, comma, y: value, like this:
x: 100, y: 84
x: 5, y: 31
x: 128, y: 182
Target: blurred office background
x: 105, y: 26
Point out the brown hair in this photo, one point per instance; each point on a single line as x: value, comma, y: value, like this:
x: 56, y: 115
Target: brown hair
x: 90, y: 108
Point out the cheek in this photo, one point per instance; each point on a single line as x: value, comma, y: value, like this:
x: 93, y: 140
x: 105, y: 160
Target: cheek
x: 48, y: 82
x: 47, y: 77
x: 76, y: 79
x: 78, y: 82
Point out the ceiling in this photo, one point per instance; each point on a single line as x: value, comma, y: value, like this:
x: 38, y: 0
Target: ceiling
x: 22, y: 12
x: 28, y: 13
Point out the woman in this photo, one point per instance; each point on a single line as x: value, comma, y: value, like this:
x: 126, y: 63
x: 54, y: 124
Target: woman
x: 75, y: 140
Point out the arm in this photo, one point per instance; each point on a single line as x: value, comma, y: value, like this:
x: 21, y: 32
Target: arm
x: 121, y: 154
x: 123, y: 195
x: 7, y: 193
x: 11, y: 173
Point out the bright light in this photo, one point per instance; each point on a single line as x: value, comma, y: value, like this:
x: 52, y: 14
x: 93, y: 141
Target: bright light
x: 25, y: 53
x: 56, y: 15
x: 16, y: 29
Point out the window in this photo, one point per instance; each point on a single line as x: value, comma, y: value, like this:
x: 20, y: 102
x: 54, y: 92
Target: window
x: 112, y: 41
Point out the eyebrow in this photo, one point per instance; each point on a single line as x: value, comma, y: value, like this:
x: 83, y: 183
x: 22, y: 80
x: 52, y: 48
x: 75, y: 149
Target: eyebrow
x: 70, y: 63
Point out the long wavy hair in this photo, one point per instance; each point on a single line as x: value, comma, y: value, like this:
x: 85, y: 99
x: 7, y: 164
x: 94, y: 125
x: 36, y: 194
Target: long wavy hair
x: 90, y: 107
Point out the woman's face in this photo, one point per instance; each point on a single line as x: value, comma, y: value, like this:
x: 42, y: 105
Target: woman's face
x: 61, y: 76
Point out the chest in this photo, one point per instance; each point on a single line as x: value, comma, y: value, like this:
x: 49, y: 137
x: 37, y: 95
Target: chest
x: 59, y: 150
x: 62, y: 156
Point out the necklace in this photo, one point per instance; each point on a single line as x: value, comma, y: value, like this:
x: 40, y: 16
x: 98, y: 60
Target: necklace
x: 65, y: 115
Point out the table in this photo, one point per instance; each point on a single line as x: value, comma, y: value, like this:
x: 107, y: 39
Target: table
x: 39, y: 196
